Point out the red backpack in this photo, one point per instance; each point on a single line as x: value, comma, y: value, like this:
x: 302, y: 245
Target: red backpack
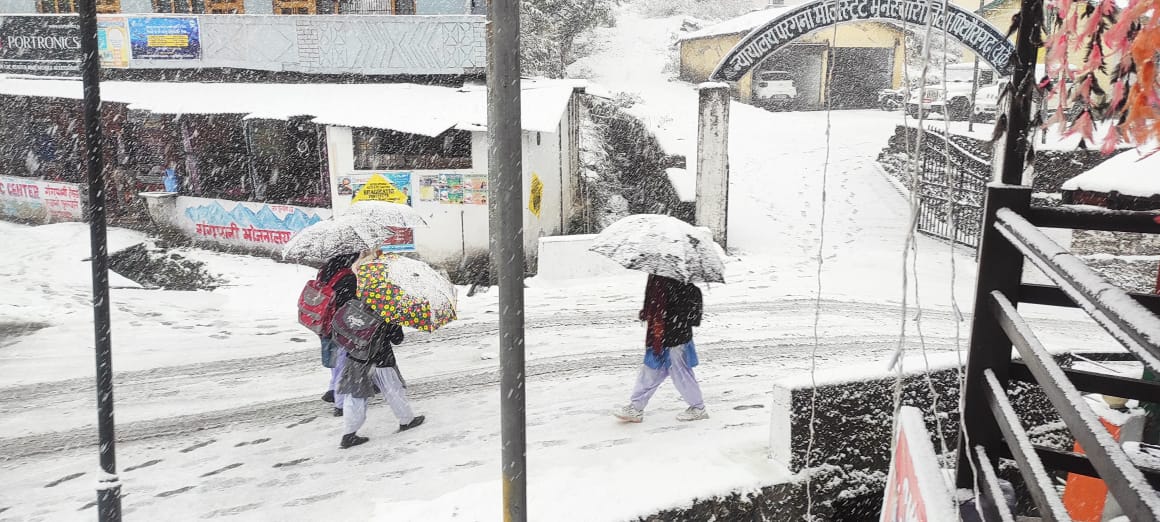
x: 316, y: 304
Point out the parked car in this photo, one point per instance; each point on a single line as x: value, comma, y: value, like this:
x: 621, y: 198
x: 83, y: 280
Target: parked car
x: 891, y: 99
x: 952, y: 97
x: 987, y: 105
x: 774, y: 89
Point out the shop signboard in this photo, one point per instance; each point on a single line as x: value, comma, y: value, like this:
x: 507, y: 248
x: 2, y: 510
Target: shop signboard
x: 165, y: 38
x: 259, y: 226
x: 39, y: 44
x: 38, y: 201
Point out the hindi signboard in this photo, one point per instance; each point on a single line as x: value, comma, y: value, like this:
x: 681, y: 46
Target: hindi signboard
x: 916, y: 490
x: 971, y: 30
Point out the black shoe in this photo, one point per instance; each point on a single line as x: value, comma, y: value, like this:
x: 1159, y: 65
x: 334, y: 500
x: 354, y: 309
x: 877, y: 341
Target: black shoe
x: 328, y: 396
x: 338, y: 412
x: 413, y: 424
x: 351, y: 440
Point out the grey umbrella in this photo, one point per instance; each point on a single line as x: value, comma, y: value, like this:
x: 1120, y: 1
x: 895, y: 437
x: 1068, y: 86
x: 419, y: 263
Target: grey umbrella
x: 664, y: 246
x: 366, y: 225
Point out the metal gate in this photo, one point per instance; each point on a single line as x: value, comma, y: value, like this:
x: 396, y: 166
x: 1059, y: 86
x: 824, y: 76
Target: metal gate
x: 951, y: 177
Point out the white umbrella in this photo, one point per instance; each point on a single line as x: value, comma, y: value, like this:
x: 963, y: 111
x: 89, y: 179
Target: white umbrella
x: 664, y: 246
x: 365, y: 226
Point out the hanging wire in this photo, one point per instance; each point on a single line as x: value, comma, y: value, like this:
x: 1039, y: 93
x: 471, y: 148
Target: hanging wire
x: 821, y: 263
x: 911, y: 243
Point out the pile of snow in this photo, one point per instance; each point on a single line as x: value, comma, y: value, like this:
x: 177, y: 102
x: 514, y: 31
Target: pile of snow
x: 1126, y: 173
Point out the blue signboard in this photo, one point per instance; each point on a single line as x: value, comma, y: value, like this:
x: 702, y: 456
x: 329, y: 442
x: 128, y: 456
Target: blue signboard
x: 165, y: 38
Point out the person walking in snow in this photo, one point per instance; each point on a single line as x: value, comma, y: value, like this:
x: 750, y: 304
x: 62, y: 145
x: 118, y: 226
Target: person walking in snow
x: 671, y: 310
x: 334, y: 285
x: 370, y: 364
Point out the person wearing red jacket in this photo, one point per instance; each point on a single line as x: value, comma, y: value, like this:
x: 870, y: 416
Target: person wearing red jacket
x: 671, y: 310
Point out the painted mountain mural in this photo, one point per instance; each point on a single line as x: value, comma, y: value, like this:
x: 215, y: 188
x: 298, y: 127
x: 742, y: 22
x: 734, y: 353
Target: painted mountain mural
x: 215, y: 214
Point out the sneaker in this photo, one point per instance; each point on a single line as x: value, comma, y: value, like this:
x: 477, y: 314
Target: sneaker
x: 328, y: 396
x: 629, y: 414
x: 413, y: 424
x: 352, y: 439
x: 338, y: 412
x: 693, y: 414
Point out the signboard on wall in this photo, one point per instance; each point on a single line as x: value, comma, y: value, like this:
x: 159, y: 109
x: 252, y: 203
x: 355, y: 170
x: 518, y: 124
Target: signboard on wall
x: 535, y: 195
x: 253, y: 225
x: 39, y: 44
x: 113, y: 41
x: 34, y: 200
x: 394, y: 187
x: 165, y: 38
x: 453, y: 188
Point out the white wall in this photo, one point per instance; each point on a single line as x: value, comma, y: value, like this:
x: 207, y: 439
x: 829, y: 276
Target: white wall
x: 17, y: 6
x: 458, y: 230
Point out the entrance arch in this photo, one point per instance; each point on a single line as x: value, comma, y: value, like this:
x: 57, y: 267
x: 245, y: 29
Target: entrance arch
x: 971, y: 30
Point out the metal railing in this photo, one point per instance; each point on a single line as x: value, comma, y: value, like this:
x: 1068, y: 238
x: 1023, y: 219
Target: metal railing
x: 991, y: 429
x: 951, y: 177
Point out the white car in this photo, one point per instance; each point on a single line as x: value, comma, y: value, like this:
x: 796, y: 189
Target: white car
x: 987, y: 104
x: 774, y: 88
x: 952, y: 97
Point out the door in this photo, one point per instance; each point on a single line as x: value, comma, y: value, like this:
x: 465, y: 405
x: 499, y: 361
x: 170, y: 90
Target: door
x: 857, y: 74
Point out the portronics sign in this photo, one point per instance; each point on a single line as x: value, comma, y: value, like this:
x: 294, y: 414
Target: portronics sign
x: 974, y: 32
x: 40, y: 44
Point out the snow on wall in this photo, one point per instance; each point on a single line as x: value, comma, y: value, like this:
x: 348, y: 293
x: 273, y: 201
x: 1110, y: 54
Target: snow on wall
x: 568, y: 257
x: 1126, y: 173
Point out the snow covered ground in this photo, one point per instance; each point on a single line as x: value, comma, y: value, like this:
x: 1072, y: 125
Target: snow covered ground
x: 217, y: 391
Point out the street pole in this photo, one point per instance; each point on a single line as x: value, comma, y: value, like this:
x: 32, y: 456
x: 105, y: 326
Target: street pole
x: 1022, y: 93
x: 108, y: 485
x: 505, y: 170
x: 974, y: 83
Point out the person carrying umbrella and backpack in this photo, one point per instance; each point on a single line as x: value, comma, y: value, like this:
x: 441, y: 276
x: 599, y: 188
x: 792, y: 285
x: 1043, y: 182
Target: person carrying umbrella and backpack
x: 371, y: 364
x: 671, y: 310
x: 317, y: 304
x: 674, y: 254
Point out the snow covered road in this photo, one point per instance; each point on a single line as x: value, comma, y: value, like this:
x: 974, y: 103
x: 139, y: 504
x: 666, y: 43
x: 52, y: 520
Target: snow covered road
x: 217, y: 392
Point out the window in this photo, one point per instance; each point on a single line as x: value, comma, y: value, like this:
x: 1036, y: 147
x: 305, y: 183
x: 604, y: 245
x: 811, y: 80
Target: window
x: 56, y: 6
x: 286, y: 163
x: 385, y: 149
x: 225, y: 7
x: 179, y: 6
x: 295, y: 7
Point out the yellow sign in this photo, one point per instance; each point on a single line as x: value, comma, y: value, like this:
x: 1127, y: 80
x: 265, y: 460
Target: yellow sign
x: 167, y: 40
x: 379, y: 189
x: 536, y: 196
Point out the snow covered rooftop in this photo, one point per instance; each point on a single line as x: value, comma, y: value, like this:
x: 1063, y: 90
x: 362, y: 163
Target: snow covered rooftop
x: 1125, y: 173
x: 742, y: 24
x: 418, y: 109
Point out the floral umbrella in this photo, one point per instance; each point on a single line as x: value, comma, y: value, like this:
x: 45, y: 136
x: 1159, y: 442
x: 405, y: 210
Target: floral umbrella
x: 407, y: 292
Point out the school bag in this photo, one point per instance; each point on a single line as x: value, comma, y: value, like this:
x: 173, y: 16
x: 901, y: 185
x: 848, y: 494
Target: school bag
x: 354, y: 327
x: 316, y: 304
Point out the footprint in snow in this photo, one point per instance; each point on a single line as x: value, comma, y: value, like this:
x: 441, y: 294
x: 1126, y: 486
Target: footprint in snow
x: 63, y: 479
x: 221, y: 470
x: 199, y: 445
x: 170, y: 493
x: 143, y: 465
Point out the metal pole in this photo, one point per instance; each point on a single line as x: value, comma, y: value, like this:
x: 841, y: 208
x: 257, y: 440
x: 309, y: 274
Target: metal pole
x: 108, y: 487
x: 505, y: 169
x: 1022, y: 92
x: 975, y: 82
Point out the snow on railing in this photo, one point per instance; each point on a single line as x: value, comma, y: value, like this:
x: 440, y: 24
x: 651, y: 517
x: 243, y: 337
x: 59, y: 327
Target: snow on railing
x: 1113, y: 309
x: 1126, y: 483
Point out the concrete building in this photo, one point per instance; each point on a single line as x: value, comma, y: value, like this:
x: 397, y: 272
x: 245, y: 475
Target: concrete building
x: 865, y: 56
x: 259, y: 162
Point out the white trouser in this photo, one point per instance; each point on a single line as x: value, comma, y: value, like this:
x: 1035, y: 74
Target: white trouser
x: 336, y: 375
x: 683, y: 379
x: 354, y: 411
